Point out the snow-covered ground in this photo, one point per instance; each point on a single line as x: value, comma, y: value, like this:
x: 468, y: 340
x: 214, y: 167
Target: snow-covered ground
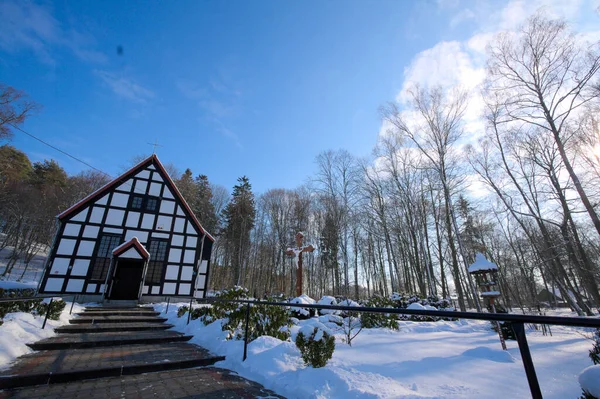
x: 30, y: 274
x: 461, y: 359
x: 20, y: 329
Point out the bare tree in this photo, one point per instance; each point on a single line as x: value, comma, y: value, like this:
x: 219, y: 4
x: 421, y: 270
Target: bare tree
x: 15, y: 107
x: 542, y: 77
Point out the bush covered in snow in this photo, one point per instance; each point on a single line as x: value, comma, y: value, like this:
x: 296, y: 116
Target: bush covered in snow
x: 56, y: 308
x: 589, y: 380
x: 376, y: 320
x: 36, y: 306
x: 303, y: 313
x: 316, y: 344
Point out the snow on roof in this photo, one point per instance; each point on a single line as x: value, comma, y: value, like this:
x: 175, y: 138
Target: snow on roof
x: 481, y: 264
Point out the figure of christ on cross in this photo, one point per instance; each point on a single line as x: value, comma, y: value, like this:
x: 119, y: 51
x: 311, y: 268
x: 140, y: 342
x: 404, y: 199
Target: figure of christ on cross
x: 297, y: 252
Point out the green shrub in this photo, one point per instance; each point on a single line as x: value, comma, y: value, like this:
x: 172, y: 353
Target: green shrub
x: 182, y: 311
x: 374, y: 320
x: 263, y: 320
x: 595, y: 351
x: 58, y: 305
x: 586, y: 395
x: 316, y: 347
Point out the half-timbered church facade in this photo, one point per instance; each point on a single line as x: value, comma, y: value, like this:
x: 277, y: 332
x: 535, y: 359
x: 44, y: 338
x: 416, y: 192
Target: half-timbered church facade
x: 134, y: 238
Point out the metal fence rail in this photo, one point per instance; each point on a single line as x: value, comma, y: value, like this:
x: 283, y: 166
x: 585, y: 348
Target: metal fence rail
x: 37, y: 298
x: 517, y: 321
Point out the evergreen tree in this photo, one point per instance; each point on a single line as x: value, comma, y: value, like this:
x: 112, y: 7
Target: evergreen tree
x: 205, y: 209
x: 239, y: 215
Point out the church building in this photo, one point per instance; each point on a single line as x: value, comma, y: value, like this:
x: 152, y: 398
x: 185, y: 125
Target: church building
x: 133, y: 239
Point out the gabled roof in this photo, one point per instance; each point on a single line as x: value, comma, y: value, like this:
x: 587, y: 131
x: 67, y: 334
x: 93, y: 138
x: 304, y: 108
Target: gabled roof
x: 151, y: 160
x: 134, y: 242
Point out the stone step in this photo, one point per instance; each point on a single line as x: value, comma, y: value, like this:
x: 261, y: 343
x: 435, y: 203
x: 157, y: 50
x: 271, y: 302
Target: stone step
x: 110, y: 327
x: 119, y: 308
x: 103, y: 339
x: 96, y: 319
x: 56, y: 366
x: 119, y: 313
x: 204, y: 382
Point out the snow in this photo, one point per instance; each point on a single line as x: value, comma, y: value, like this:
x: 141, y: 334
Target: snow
x: 482, y: 264
x: 589, y: 379
x: 444, y: 359
x: 327, y: 300
x: 21, y: 328
x: 18, y: 285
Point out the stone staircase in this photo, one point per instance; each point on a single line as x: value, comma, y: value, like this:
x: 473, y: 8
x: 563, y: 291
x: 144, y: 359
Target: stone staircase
x: 112, y: 341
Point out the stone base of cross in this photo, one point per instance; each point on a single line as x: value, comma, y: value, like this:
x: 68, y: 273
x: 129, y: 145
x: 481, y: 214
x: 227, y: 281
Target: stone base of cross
x: 297, y: 253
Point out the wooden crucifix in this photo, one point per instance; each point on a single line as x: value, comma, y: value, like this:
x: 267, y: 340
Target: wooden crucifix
x: 297, y: 252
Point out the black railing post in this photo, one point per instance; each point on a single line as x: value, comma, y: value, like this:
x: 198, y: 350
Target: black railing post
x: 246, y: 333
x: 534, y: 385
x: 47, y: 312
x: 190, y: 310
x: 168, y: 300
x: 72, y: 303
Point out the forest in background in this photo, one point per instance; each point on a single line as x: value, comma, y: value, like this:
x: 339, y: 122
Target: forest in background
x: 406, y: 219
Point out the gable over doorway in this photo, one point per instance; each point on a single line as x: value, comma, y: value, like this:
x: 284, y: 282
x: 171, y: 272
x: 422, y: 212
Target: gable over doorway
x: 130, y: 260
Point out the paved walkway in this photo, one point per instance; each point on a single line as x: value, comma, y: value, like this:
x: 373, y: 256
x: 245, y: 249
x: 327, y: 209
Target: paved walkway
x: 122, y: 353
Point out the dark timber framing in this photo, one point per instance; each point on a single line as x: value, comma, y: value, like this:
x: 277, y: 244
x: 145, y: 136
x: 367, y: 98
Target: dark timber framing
x: 110, y: 211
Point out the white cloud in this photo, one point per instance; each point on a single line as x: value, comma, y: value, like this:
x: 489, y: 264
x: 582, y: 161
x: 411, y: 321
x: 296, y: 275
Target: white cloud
x: 461, y: 17
x: 25, y: 25
x: 126, y: 88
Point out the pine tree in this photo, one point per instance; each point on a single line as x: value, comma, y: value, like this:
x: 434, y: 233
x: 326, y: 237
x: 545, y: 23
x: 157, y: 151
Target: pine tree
x: 239, y: 215
x: 205, y: 210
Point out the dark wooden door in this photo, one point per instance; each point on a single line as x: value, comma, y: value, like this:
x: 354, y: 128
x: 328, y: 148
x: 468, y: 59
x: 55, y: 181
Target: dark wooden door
x: 127, y: 280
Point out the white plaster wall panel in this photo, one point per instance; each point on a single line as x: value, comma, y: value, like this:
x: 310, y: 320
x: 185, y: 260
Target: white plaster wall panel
x: 91, y: 231
x: 159, y: 235
x: 175, y: 255
x: 190, y: 229
x: 101, y: 288
x: 91, y: 288
x: 142, y: 236
x: 54, y: 284
x: 191, y: 242
x: 75, y: 285
x: 72, y: 229
x: 86, y: 248
x: 115, y: 217
x: 60, y: 266
x: 131, y: 253
x: 80, y: 267
x: 167, y: 207
x: 164, y: 223
x: 180, y: 211
x: 155, y: 290
x: 188, y: 256
x: 126, y: 186
x: 167, y: 193
x: 80, y: 217
x: 169, y: 288
x: 119, y: 200
x: 172, y: 272
x: 203, y: 266
x: 145, y: 289
x: 140, y: 186
x: 66, y: 246
x: 177, y: 240
x: 184, y: 289
x: 112, y: 230
x: 156, y: 177
x: 148, y: 221
x: 155, y: 189
x: 186, y: 273
x: 132, y: 219
x: 144, y: 174
x: 103, y: 200
x: 199, y: 294
x: 97, y: 214
x: 151, y: 167
x: 179, y: 223
x: 200, y: 281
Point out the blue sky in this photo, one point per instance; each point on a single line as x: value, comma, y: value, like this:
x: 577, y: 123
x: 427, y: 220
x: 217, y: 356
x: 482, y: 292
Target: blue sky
x: 231, y: 87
